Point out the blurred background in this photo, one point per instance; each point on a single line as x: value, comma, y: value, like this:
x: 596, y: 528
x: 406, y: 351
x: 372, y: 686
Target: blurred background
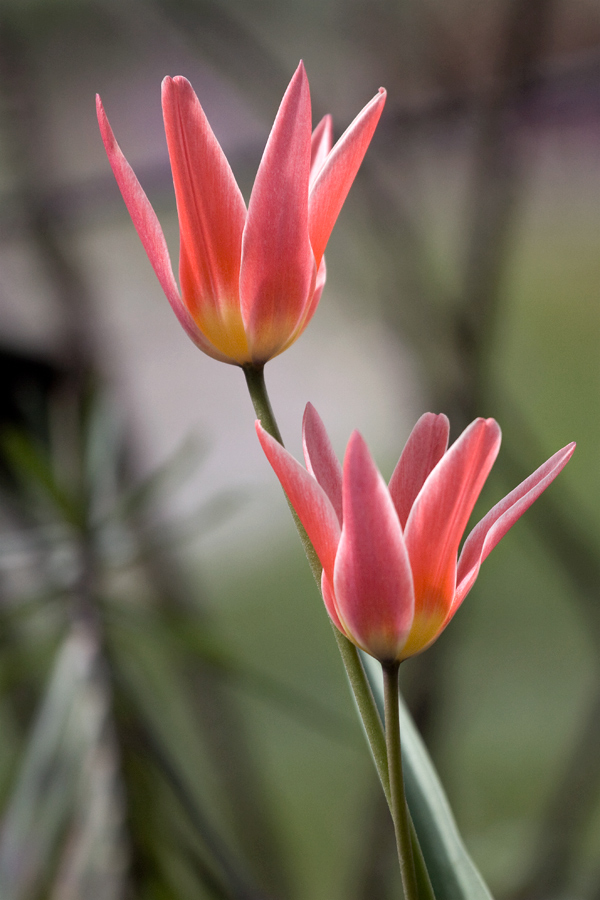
x: 174, y: 717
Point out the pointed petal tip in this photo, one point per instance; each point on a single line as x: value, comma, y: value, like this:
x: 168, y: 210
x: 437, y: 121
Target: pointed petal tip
x: 300, y: 72
x: 101, y: 114
x: 310, y: 415
x: 357, y: 443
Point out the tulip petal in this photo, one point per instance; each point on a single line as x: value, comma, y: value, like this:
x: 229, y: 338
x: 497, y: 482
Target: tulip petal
x: 311, y: 308
x: 335, y: 178
x: 331, y: 603
x: 212, y: 214
x: 307, y: 497
x: 148, y: 228
x: 501, y: 518
x: 320, y: 145
x: 278, y: 269
x: 372, y: 578
x: 321, y: 461
x: 437, y: 522
x: 427, y: 443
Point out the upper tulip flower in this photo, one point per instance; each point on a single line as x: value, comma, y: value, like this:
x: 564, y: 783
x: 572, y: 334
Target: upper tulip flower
x: 391, y: 581
x: 250, y: 279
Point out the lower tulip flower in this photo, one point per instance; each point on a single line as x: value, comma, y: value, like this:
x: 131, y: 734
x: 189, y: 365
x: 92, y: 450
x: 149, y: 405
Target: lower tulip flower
x: 251, y: 278
x: 392, y: 579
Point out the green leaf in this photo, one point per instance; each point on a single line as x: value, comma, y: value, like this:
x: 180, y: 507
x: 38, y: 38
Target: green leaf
x: 453, y: 873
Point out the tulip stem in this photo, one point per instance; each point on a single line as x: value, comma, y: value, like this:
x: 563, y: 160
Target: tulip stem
x: 398, y: 807
x: 255, y: 379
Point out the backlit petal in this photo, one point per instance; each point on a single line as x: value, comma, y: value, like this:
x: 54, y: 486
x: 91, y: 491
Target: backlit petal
x: 335, y: 178
x: 372, y: 578
x: 321, y: 461
x: 437, y: 522
x: 501, y: 517
x: 211, y: 214
x: 427, y: 443
x: 278, y: 271
x: 308, y: 498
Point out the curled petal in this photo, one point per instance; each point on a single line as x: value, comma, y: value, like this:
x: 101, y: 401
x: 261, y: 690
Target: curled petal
x: 372, y: 581
x: 427, y: 443
x: 438, y: 519
x: 321, y: 461
x: 335, y: 178
x: 150, y: 233
x: 320, y: 145
x: 307, y: 497
x: 500, y: 518
x: 278, y: 272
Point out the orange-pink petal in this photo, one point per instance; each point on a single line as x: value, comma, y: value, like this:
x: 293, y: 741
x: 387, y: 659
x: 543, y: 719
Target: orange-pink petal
x: 321, y: 461
x: 212, y: 214
x: 335, y: 178
x: 427, y: 443
x: 501, y: 518
x: 372, y: 581
x: 307, y: 497
x: 320, y: 145
x: 278, y: 271
x: 310, y: 308
x: 150, y: 233
x: 331, y: 603
x: 437, y: 522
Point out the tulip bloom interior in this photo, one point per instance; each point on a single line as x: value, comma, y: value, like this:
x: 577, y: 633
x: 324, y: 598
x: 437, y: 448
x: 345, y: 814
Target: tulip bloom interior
x: 250, y: 279
x: 392, y: 578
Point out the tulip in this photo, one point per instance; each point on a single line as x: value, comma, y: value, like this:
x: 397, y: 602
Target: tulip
x: 250, y: 279
x: 391, y: 581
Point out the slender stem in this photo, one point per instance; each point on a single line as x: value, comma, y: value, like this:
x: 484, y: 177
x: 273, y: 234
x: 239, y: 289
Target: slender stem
x: 255, y: 379
x: 355, y: 671
x: 399, y: 808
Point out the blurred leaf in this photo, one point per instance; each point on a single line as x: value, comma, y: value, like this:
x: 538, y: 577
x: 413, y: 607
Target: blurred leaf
x: 149, y: 674
x: 31, y: 465
x: 67, y: 787
x: 173, y: 473
x: 453, y: 873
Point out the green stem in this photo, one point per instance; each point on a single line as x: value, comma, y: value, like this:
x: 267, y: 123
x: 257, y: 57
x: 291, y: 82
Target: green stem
x: 355, y: 671
x: 367, y: 707
x: 398, y: 807
x: 255, y: 379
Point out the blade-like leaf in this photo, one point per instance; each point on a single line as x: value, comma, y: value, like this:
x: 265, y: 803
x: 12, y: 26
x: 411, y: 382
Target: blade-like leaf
x: 453, y: 873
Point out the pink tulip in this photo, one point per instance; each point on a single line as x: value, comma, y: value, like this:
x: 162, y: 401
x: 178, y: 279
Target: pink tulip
x: 391, y: 581
x: 250, y: 279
